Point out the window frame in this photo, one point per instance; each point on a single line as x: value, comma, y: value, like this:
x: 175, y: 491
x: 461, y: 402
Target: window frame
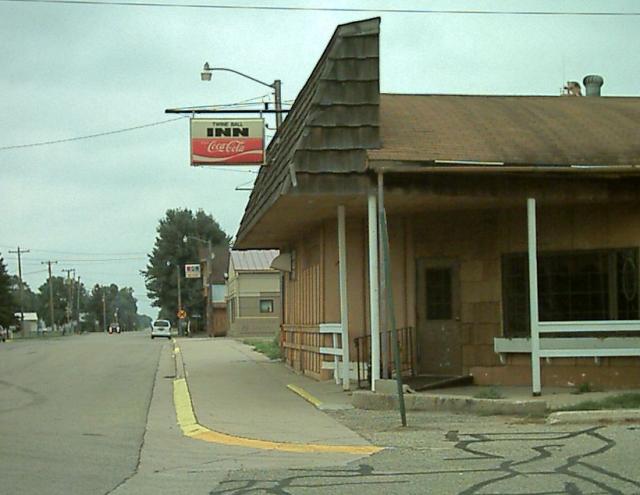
x: 269, y: 301
x: 613, y: 288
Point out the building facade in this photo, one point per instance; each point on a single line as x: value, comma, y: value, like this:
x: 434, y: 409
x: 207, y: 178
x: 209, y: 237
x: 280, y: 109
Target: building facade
x: 506, y: 229
x: 253, y: 294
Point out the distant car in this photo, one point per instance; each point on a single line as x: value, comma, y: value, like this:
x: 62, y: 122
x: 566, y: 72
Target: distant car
x: 3, y: 333
x: 161, y: 328
x: 114, y: 328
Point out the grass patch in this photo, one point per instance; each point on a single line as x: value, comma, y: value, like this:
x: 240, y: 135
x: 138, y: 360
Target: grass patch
x: 270, y: 348
x: 489, y: 393
x: 629, y: 400
x: 583, y: 388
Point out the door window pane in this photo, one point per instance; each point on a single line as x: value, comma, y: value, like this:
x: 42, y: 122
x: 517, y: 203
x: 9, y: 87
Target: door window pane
x: 438, y: 285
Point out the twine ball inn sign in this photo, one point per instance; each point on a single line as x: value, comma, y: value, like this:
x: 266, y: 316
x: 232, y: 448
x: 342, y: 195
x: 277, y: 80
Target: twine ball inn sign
x: 227, y: 141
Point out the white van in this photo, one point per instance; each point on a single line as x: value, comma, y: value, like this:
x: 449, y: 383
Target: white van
x: 161, y: 328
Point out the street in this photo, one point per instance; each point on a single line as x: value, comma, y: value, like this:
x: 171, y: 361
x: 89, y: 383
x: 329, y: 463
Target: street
x: 73, y: 411
x: 95, y: 414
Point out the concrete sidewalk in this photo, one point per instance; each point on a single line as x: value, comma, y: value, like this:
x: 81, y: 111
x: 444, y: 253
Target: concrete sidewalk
x: 238, y: 391
x: 226, y: 375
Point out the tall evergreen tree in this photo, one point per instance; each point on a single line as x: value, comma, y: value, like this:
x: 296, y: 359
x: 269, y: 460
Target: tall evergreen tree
x: 171, y: 252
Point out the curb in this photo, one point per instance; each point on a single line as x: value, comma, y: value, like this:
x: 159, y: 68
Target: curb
x: 305, y: 395
x: 449, y: 403
x: 604, y: 416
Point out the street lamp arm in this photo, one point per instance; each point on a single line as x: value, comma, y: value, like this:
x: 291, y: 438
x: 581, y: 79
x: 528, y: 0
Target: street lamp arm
x: 272, y: 86
x: 186, y: 237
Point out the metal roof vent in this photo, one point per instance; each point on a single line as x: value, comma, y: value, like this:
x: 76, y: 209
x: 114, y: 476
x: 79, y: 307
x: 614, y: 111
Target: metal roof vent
x: 592, y: 85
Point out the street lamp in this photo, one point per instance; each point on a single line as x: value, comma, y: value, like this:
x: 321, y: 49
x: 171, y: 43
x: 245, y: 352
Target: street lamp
x: 210, y: 254
x: 205, y: 75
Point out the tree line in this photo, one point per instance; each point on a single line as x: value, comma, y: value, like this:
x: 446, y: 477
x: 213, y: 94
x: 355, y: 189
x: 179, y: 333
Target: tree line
x: 183, y: 237
x: 72, y: 301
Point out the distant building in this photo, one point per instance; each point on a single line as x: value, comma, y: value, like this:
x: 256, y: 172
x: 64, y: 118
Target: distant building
x: 253, y: 294
x: 30, y: 322
x: 214, y: 290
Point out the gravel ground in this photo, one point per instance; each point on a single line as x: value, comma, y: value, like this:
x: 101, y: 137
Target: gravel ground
x: 384, y: 428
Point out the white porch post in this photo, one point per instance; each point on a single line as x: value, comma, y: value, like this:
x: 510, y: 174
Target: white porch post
x: 533, y: 296
x: 374, y: 299
x: 344, y: 302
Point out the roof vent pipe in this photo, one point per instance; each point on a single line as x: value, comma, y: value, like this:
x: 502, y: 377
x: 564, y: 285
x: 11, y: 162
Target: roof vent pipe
x: 592, y: 85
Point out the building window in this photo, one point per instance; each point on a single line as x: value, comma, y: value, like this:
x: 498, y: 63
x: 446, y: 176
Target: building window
x: 572, y: 286
x: 438, y: 287
x: 218, y: 292
x: 266, y: 305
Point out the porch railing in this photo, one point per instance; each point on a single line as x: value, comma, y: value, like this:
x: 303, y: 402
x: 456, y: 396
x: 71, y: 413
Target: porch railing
x: 406, y: 341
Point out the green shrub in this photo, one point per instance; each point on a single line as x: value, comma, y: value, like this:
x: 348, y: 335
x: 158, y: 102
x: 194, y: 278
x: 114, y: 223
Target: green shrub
x: 630, y: 400
x: 270, y: 348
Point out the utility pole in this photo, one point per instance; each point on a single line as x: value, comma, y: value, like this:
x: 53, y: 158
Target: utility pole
x: 277, y: 89
x: 179, y: 298
x: 19, y: 252
x: 50, y: 292
x: 104, y: 312
x: 78, y: 306
x: 70, y: 291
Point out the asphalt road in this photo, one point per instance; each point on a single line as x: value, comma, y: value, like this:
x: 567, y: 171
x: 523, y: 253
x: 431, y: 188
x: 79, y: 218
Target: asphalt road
x: 94, y: 415
x: 464, y: 455
x: 73, y: 412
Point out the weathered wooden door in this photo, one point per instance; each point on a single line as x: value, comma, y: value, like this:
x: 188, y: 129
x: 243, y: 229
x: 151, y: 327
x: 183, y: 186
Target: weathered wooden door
x: 438, y: 336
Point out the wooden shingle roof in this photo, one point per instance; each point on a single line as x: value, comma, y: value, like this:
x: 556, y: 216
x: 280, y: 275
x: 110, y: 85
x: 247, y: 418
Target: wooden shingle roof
x: 333, y: 121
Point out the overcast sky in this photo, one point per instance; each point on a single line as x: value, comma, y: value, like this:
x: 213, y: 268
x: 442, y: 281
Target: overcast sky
x: 74, y: 70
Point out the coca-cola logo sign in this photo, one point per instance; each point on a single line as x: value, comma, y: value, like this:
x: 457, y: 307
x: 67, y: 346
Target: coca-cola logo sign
x: 224, y: 142
x: 218, y: 146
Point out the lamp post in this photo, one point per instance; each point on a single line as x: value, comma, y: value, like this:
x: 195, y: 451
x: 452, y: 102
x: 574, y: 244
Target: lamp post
x: 205, y: 75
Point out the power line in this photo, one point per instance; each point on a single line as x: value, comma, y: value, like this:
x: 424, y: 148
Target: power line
x: 107, y: 260
x: 326, y: 9
x: 83, y: 253
x: 227, y: 169
x: 33, y: 273
x: 88, y: 136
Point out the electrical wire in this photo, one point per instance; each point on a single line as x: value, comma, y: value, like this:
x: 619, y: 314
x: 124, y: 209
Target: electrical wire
x: 77, y: 253
x: 90, y: 136
x: 33, y: 273
x: 327, y: 9
x: 135, y: 128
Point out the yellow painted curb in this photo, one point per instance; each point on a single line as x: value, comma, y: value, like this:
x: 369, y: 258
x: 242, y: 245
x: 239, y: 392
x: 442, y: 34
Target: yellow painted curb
x: 190, y: 428
x: 305, y: 395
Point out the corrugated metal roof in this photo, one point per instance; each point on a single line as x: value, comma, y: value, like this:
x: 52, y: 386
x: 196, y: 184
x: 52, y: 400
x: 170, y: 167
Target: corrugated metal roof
x: 253, y: 260
x: 532, y: 130
x: 28, y: 316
